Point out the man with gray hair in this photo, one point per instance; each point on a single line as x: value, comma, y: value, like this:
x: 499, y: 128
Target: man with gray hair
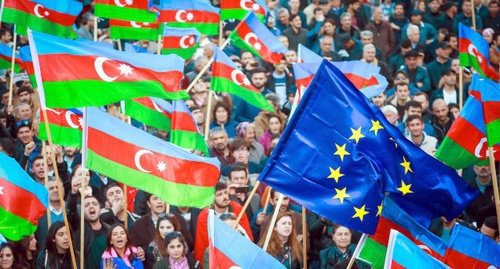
x: 220, y: 147
x: 283, y: 19
x: 382, y: 33
x: 413, y: 34
x: 366, y: 38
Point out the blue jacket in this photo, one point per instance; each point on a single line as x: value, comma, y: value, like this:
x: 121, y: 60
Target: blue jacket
x: 421, y: 76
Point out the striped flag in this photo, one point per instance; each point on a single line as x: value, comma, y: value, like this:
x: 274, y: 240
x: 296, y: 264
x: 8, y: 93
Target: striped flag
x: 65, y: 126
x: 121, y: 29
x: 185, y: 132
x: 180, y: 41
x: 154, y: 112
x: 133, y: 10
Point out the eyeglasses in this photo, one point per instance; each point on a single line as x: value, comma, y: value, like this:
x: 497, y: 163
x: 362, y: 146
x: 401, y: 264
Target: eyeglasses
x: 165, y: 216
x: 400, y: 77
x: 172, y: 234
x: 23, y: 122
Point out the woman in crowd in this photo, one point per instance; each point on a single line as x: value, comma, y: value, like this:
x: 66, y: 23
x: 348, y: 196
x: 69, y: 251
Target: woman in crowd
x: 222, y: 117
x: 26, y: 252
x: 246, y: 131
x: 284, y: 244
x: 176, y: 254
x: 324, y: 28
x: 7, y: 258
x: 275, y: 127
x: 342, y: 248
x: 119, y: 250
x: 56, y: 254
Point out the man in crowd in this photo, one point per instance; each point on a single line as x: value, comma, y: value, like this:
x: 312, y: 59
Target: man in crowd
x: 237, y: 180
x: 442, y: 119
x: 416, y: 125
x: 221, y: 149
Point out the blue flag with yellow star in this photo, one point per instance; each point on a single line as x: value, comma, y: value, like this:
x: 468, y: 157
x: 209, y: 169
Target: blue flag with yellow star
x: 339, y: 155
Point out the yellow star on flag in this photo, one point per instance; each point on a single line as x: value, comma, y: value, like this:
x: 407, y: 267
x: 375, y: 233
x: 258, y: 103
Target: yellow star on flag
x: 395, y: 144
x: 341, y: 194
x: 341, y: 151
x: 335, y: 174
x: 376, y: 126
x: 360, y: 212
x: 356, y: 135
x: 405, y: 189
x: 379, y: 209
x: 406, y: 165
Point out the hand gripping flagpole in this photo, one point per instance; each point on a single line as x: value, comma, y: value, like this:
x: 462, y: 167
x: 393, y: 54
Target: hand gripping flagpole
x: 46, y: 179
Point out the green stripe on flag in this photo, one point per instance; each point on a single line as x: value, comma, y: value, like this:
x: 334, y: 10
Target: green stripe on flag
x: 122, y: 32
x: 4, y: 64
x: 148, y: 116
x: 204, y: 28
x: 468, y: 60
x: 80, y: 93
x: 493, y: 132
x: 14, y: 227
x: 33, y: 81
x: 124, y: 13
x: 185, y: 54
x: 189, y: 140
x: 220, y: 84
x: 25, y: 20
x: 373, y: 253
x: 455, y: 156
x: 64, y: 136
x: 240, y: 43
x: 171, y: 193
x: 238, y: 13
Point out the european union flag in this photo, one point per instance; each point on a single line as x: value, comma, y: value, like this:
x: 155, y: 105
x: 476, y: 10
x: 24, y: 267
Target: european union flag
x: 339, y: 154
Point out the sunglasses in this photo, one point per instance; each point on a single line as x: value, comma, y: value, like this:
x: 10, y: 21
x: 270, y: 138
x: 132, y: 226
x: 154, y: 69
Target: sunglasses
x: 23, y: 122
x: 400, y: 77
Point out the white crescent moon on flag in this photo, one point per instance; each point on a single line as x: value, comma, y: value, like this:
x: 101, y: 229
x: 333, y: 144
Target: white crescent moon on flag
x: 425, y: 248
x: 118, y: 3
x: 157, y: 107
x: 67, y: 116
x: 243, y: 4
x: 182, y: 42
x: 137, y: 159
x: 178, y: 15
x: 53, y: 111
x: 99, y: 61
x: 479, y: 146
x: 135, y: 25
x: 248, y: 36
x: 234, y: 75
x: 37, y: 11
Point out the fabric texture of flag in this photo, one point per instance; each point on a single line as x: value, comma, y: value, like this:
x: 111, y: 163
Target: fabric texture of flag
x: 180, y: 41
x: 465, y: 143
x: 22, y: 200
x: 154, y: 112
x: 372, y: 249
x: 231, y: 9
x: 65, y: 126
x: 131, y: 10
x: 403, y: 253
x: 136, y: 49
x: 226, y: 245
x: 471, y: 249
x: 474, y: 51
x: 252, y: 35
x: 185, y: 132
x: 25, y: 54
x: 306, y: 55
x: 190, y: 13
x: 103, y: 76
x: 490, y: 98
x: 138, y: 159
x: 6, y: 59
x: 226, y: 77
x: 120, y: 29
x: 348, y: 161
x: 52, y: 17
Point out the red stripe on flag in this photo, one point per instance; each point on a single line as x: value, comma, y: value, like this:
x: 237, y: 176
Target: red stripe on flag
x: 473, y: 139
x: 177, y: 170
x: 188, y: 16
x: 61, y: 117
x: 223, y: 261
x: 182, y: 121
x: 133, y: 24
x: 20, y: 202
x: 456, y: 259
x: 179, y: 42
x: 361, y: 82
x: 219, y: 69
x: 41, y: 12
x: 491, y: 111
x: 9, y: 59
x: 463, y: 47
x: 53, y: 69
x: 147, y: 102
x: 138, y: 4
x: 243, y: 29
x: 395, y: 265
x: 247, y: 5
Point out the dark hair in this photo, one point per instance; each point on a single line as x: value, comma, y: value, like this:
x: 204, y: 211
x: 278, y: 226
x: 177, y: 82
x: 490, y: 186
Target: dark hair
x: 24, y: 89
x: 111, y: 185
x: 50, y: 244
x: 76, y: 168
x: 412, y: 103
x: 258, y: 70
x: 414, y: 116
x: 443, y: 31
x: 492, y: 2
x: 39, y: 157
x: 238, y: 166
x: 223, y: 105
x: 14, y: 253
x: 330, y: 21
x: 293, y: 16
x: 402, y: 84
x: 399, y: 4
x: 274, y: 136
x: 492, y: 223
x: 422, y: 94
x: 7, y: 144
x: 171, y: 237
x: 3, y: 31
x: 238, y: 143
x: 177, y: 227
x: 128, y: 245
x: 405, y: 44
x: 275, y: 248
x: 448, y: 37
x: 220, y: 185
x: 453, y: 105
x: 496, y: 34
x: 21, y: 249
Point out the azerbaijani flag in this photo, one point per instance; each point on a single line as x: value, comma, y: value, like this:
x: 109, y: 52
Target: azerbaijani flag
x: 403, y: 253
x: 180, y: 41
x: 120, y: 29
x: 154, y: 112
x: 65, y: 126
x: 103, y: 76
x: 471, y: 249
x: 490, y: 98
x: 185, y: 132
x: 141, y: 160
x: 475, y: 51
x: 234, y: 9
x: 132, y: 10
x: 465, y: 143
x: 136, y: 49
x: 226, y: 77
x: 252, y: 35
x: 6, y: 59
x: 306, y: 55
x: 190, y: 13
x: 226, y: 245
x: 52, y: 17
x: 22, y: 200
x: 372, y: 249
x: 25, y: 54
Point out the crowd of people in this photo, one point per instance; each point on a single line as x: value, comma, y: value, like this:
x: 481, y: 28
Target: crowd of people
x: 415, y: 44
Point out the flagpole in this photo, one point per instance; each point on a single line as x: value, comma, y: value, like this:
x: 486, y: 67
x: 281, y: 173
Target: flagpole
x: 82, y: 219
x: 128, y: 120
x: 95, y: 29
x: 273, y: 221
x: 220, y: 33
x: 243, y: 210
x: 46, y: 179
x: 360, y: 245
x: 59, y: 188
x: 209, y: 111
x: 158, y: 49
x: 461, y: 86
x: 12, y: 65
x: 473, y: 15
x: 304, y: 238
x: 495, y: 181
x: 119, y: 45
x: 268, y: 197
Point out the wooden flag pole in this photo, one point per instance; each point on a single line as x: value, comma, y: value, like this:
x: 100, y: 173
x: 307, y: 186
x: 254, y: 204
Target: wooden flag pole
x: 12, y: 65
x: 95, y: 29
x: 361, y: 243
x: 158, y: 49
x: 221, y: 29
x: 268, y: 198
x: 209, y: 111
x: 473, y: 15
x: 46, y: 179
x: 245, y: 206
x: 82, y: 219
x: 167, y: 208
x: 495, y: 182
x: 273, y: 221
x: 119, y: 45
x: 304, y: 238
x: 59, y: 188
